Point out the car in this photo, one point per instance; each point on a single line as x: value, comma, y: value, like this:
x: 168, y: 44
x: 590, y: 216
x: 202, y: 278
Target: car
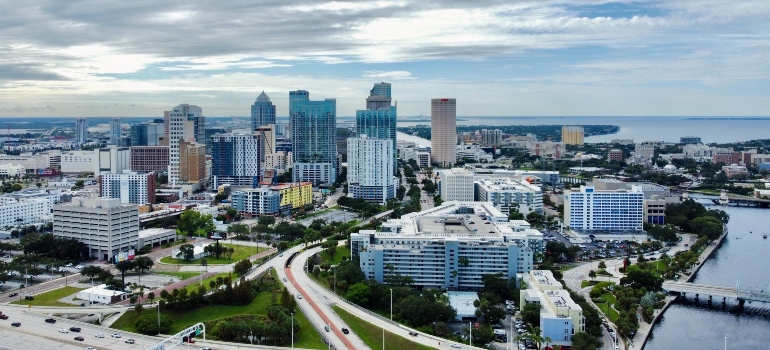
x: 75, y: 329
x: 299, y: 296
x: 115, y: 335
x: 99, y: 335
x: 2, y: 316
x: 16, y: 324
x: 90, y: 348
x: 79, y: 267
x: 345, y: 330
x: 280, y: 255
x: 29, y: 297
x: 50, y: 320
x: 63, y: 331
x: 285, y: 280
x: 205, y: 348
x: 79, y: 338
x: 13, y: 294
x: 617, y: 347
x: 191, y: 341
x: 456, y: 346
x: 82, y: 304
x: 68, y: 265
x: 326, y: 328
x: 130, y: 341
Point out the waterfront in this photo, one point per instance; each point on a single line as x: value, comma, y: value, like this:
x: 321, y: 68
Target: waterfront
x: 743, y: 257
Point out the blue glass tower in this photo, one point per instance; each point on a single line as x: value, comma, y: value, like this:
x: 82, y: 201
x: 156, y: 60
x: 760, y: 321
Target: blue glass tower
x: 313, y: 138
x: 262, y: 112
x: 378, y: 120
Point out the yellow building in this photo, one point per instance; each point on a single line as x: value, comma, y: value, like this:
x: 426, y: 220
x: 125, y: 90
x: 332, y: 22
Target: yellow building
x: 572, y: 135
x: 294, y: 195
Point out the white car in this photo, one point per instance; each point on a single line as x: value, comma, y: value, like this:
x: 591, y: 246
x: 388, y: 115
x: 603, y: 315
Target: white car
x: 115, y: 335
x: 299, y: 296
x: 455, y: 346
x: 79, y: 267
x: 63, y: 331
x: 99, y: 335
x: 68, y: 265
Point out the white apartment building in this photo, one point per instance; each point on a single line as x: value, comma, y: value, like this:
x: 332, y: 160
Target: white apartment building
x: 280, y: 161
x: 588, y: 209
x: 450, y: 247
x: 506, y: 192
x: 129, y: 187
x: 443, y: 130
x: 185, y: 122
x: 27, y: 207
x: 560, y: 316
x: 455, y: 184
x: 473, y: 153
x: 105, y: 225
x: 370, y: 169
x: 256, y: 201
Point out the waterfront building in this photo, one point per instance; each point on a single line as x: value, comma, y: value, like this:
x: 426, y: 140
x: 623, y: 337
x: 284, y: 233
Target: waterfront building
x: 572, y: 135
x: 491, y: 138
x: 27, y: 207
x: 81, y: 131
x: 588, y: 209
x: 314, y: 135
x: 103, y: 224
x: 236, y: 159
x: 378, y: 120
x: 262, y: 112
x: 560, y: 316
x: 186, y: 122
x: 455, y: 184
x: 370, y: 169
x: 443, y: 131
x: 450, y: 247
x: 115, y: 130
x: 505, y: 193
x: 149, y: 158
x: 129, y: 187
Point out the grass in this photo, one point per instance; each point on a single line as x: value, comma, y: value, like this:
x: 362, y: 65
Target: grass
x: 51, y: 298
x: 313, y: 214
x: 606, y: 306
x: 181, y: 275
x: 241, y: 252
x: 307, y: 338
x: 194, y: 286
x: 342, y: 253
x: 371, y: 335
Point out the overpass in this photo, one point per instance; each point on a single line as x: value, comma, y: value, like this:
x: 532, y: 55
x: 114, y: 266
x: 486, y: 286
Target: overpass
x: 742, y: 294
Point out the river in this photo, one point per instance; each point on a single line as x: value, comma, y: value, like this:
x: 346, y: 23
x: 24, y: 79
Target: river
x: 743, y: 257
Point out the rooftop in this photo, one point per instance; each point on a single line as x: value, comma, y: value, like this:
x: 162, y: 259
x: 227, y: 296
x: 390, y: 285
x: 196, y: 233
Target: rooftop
x: 463, y: 302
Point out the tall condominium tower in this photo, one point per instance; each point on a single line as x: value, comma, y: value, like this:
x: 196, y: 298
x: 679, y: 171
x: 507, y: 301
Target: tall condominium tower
x: 443, y: 131
x: 313, y: 138
x: 186, y: 122
x: 236, y: 159
x: 81, y: 131
x: 262, y: 112
x: 378, y: 120
x: 370, y: 169
x: 572, y: 135
x: 115, y: 130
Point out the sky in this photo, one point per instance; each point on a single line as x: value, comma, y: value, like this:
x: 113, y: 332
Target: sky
x: 497, y: 58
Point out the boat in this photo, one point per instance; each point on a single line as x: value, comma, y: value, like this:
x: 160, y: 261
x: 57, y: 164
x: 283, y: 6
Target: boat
x: 723, y: 199
x: 764, y: 236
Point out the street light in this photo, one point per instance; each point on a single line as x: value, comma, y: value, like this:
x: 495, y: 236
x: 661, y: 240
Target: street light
x: 292, y: 330
x: 391, y: 304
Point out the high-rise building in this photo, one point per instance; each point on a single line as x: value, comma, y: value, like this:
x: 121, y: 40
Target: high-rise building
x: 236, y: 159
x: 186, y: 122
x: 455, y: 184
x: 103, y: 224
x: 370, y: 169
x: 588, y: 209
x: 129, y: 187
x: 115, y: 130
x: 149, y: 158
x: 313, y: 138
x: 192, y: 161
x: 262, y: 112
x: 572, y: 135
x: 491, y: 138
x: 81, y: 131
x: 378, y: 120
x: 443, y: 131
x: 146, y: 134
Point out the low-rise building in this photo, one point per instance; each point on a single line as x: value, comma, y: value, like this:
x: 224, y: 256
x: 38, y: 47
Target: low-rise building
x: 102, y: 295
x: 615, y: 155
x: 735, y: 171
x: 105, y: 225
x: 560, y: 316
x: 27, y: 206
x: 256, y: 201
x: 129, y: 187
x: 507, y: 192
x: 456, y: 184
x: 462, y: 302
x: 10, y: 169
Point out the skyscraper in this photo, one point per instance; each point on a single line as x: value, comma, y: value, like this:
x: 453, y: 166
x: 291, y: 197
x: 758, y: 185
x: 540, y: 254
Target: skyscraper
x: 146, y: 134
x: 443, y: 131
x: 236, y: 159
x: 115, y: 130
x: 313, y: 138
x: 379, y: 118
x: 81, y: 131
x: 262, y: 112
x: 572, y: 135
x: 186, y: 122
x: 370, y: 169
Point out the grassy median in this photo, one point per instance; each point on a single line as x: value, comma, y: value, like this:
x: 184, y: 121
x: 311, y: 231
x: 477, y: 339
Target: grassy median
x: 371, y: 335
x: 50, y: 298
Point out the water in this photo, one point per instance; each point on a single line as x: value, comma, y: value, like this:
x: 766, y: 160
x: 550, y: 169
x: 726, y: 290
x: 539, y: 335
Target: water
x: 688, y: 326
x: 719, y: 130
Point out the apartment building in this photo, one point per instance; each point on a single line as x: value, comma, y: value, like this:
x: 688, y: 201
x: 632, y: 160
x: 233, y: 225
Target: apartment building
x: 588, y: 209
x: 560, y: 316
x: 149, y: 158
x: 505, y: 193
x: 129, y: 187
x: 455, y: 184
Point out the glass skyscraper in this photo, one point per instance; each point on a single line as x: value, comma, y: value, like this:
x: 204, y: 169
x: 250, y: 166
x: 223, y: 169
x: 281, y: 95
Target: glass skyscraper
x: 378, y: 120
x: 262, y: 112
x: 313, y: 138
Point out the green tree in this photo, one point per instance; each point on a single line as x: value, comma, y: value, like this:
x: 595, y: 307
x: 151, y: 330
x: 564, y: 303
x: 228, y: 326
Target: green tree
x: 359, y: 293
x: 238, y: 229
x: 143, y: 263
x: 148, y: 324
x: 242, y: 267
x: 266, y: 220
x: 592, y: 274
x: 602, y: 265
x: 192, y: 222
x: 530, y: 313
x: 186, y: 252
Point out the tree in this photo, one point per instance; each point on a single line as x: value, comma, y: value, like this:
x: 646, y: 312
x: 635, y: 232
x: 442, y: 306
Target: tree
x: 192, y: 222
x: 148, y: 324
x: 92, y: 271
x: 242, y: 267
x: 637, y: 279
x: 492, y: 314
x: 266, y: 220
x: 530, y: 313
x: 602, y: 265
x: 143, y: 263
x: 151, y: 296
x: 229, y: 251
x: 138, y: 308
x: 585, y: 341
x: 238, y: 229
x: 359, y: 293
x: 186, y: 252
x: 592, y: 274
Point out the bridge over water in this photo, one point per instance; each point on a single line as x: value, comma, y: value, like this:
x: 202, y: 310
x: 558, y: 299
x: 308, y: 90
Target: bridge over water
x: 740, y: 293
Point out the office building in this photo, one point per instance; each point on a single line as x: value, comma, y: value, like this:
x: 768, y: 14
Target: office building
x: 572, y: 135
x: 314, y: 134
x: 149, y: 158
x: 491, y: 138
x: 256, y: 201
x: 727, y: 156
x: 129, y: 187
x: 450, y: 247
x: 146, y: 134
x: 192, y: 162
x: 186, y: 122
x: 27, y: 207
x: 456, y: 184
x: 378, y: 120
x: 560, y: 316
x: 443, y: 131
x: 112, y: 159
x: 236, y: 159
x: 262, y: 112
x: 615, y: 155
x: 506, y: 192
x: 81, y: 131
x: 588, y: 209
x: 116, y: 129
x: 655, y: 210
x: 103, y: 224
x: 370, y: 169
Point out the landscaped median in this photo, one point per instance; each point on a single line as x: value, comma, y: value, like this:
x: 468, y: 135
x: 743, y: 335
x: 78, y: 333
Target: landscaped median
x: 51, y: 298
x: 371, y: 335
x: 241, y: 252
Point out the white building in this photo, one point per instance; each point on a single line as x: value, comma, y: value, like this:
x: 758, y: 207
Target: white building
x: 27, y: 207
x: 112, y: 159
x: 129, y: 187
x: 104, y: 225
x: 456, y: 184
x: 185, y: 122
x: 699, y: 152
x: 81, y: 131
x: 451, y: 246
x: 560, y: 316
x: 75, y: 162
x: 462, y: 302
x: 473, y: 153
x: 115, y: 130
x: 27, y: 160
x: 280, y: 161
x: 588, y: 209
x: 101, y: 294
x: 505, y: 192
x: 256, y: 201
x: 370, y: 169
x: 9, y: 169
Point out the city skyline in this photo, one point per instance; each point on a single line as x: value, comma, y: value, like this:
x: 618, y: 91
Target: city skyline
x: 547, y: 58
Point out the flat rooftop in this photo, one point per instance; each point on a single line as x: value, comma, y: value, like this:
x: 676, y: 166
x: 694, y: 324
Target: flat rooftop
x: 150, y: 232
x: 545, y: 278
x: 463, y: 302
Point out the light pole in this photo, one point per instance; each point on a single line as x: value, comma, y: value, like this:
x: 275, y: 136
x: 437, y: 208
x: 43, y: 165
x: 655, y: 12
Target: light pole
x: 391, y: 305
x: 470, y: 333
x: 158, y: 317
x: 335, y: 279
x: 251, y: 337
x: 292, y: 330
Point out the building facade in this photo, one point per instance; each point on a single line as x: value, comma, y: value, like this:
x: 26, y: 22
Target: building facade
x: 146, y: 134
x: 129, y: 187
x: 314, y: 135
x: 104, y: 225
x: 443, y: 131
x: 294, y: 195
x: 149, y: 158
x: 116, y: 129
x: 450, y: 247
x: 588, y: 209
x: 256, y: 201
x: 456, y: 184
x: 560, y: 316
x: 192, y: 162
x: 505, y: 193
x: 262, y: 112
x: 572, y: 135
x: 81, y: 131
x: 185, y: 122
x: 491, y: 138
x: 615, y: 155
x: 378, y: 120
x: 236, y: 159
x: 370, y: 169
x: 27, y: 207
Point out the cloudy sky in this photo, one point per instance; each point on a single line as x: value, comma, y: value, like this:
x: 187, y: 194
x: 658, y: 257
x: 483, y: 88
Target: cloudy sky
x: 508, y: 57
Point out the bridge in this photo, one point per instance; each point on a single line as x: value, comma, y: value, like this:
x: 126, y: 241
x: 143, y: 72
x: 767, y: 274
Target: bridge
x: 742, y: 294
x: 745, y: 200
